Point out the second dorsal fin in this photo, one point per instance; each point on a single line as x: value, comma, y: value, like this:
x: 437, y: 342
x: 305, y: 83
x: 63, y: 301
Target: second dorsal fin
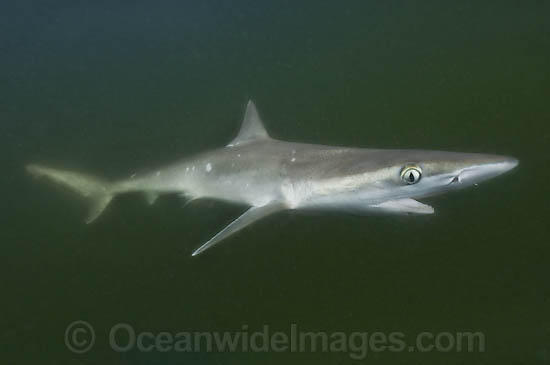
x: 252, y: 127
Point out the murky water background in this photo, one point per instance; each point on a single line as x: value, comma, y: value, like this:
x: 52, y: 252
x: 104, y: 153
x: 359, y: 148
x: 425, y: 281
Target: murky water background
x: 113, y: 88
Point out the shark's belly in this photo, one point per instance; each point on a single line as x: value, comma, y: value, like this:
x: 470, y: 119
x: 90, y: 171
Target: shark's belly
x: 330, y: 194
x: 245, y: 175
x: 249, y: 192
x: 254, y: 187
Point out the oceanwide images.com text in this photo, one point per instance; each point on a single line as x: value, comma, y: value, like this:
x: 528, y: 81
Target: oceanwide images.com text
x: 122, y: 337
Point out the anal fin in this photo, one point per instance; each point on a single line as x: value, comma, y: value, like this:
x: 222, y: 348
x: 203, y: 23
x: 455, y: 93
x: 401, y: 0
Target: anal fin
x: 247, y: 218
x: 98, y: 205
x: 151, y: 197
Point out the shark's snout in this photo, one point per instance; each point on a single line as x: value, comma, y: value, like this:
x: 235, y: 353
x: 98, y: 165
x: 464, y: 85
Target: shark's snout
x: 480, y: 172
x: 511, y: 162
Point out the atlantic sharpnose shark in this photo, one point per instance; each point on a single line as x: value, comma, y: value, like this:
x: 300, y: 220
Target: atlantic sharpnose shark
x: 270, y: 176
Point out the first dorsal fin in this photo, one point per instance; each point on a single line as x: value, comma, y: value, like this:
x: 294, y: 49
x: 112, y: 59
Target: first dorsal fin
x: 252, y: 128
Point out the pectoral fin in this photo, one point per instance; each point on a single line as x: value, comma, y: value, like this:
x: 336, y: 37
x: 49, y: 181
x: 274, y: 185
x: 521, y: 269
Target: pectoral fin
x: 404, y: 206
x: 250, y: 216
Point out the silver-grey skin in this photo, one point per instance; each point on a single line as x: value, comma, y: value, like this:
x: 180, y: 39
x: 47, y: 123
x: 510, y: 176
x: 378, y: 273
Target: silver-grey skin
x: 269, y: 175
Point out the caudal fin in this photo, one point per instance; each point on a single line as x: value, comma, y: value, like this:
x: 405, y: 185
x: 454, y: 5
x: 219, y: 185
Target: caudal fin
x: 98, y: 191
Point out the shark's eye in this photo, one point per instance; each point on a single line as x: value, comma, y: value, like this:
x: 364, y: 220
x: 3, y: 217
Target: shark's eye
x: 411, y: 174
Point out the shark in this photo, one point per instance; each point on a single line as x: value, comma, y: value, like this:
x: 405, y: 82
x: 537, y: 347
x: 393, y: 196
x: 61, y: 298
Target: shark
x: 268, y: 176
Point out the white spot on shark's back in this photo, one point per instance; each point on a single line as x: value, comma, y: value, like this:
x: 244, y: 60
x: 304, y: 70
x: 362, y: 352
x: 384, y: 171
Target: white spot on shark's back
x: 293, y: 159
x: 158, y: 173
x: 208, y: 167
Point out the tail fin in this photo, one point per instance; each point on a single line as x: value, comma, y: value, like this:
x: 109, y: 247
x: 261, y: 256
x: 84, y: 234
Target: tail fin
x: 96, y: 190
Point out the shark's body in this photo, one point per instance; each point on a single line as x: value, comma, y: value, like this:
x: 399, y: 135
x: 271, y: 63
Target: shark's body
x: 269, y: 175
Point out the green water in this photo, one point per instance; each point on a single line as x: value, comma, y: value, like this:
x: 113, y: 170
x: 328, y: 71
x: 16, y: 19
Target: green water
x: 114, y: 88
